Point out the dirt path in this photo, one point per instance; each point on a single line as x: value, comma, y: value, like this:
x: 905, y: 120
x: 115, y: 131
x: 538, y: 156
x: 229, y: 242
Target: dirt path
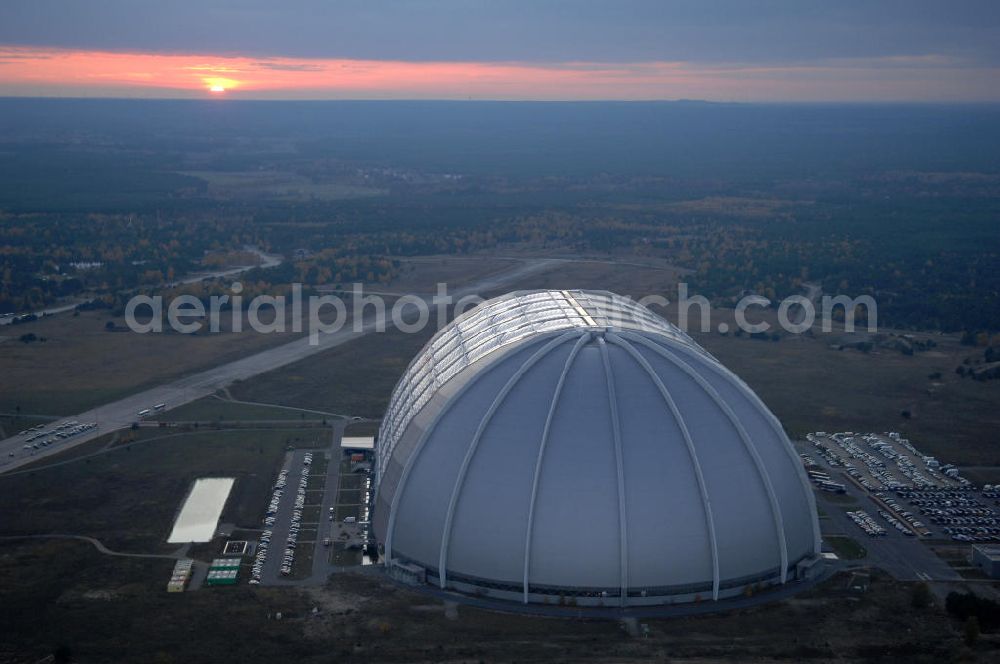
x: 231, y: 399
x: 182, y: 552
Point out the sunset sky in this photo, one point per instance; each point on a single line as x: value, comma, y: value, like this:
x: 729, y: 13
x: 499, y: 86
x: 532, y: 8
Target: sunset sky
x: 460, y: 49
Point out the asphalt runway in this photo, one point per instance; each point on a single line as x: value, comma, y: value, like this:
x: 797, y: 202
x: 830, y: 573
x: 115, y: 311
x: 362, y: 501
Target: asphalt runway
x: 122, y: 413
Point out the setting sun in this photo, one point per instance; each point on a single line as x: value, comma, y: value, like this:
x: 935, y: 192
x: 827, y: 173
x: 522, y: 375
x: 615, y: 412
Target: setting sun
x: 219, y: 85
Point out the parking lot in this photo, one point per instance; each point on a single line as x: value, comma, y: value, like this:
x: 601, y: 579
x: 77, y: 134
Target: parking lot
x: 904, y: 556
x: 290, y: 527
x: 349, y: 516
x: 302, y: 532
x: 914, y: 493
x: 881, y: 462
x: 962, y: 514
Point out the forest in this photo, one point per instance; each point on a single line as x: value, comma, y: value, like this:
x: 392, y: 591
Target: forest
x: 100, y: 198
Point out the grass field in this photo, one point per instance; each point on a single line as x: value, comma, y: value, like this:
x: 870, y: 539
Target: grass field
x: 129, y: 496
x: 82, y: 365
x: 212, y: 409
x: 811, y: 387
x: 342, y: 556
x: 422, y: 274
x: 354, y: 379
x: 635, y: 278
x: 302, y: 564
x: 361, y: 429
x: 846, y: 547
x: 65, y: 596
x: 278, y: 185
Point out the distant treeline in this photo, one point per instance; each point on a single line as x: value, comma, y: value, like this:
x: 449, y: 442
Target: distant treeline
x: 98, y: 197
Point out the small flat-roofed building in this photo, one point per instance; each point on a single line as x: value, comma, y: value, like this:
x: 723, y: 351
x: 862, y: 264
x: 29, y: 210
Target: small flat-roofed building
x: 180, y: 575
x: 362, y: 443
x: 987, y: 558
x: 221, y: 577
x: 236, y: 547
x: 225, y: 563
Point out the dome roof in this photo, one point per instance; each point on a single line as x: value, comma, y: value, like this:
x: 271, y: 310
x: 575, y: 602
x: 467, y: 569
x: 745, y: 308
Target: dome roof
x: 572, y: 443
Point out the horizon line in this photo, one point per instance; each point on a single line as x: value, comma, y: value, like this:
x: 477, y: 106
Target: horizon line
x: 77, y: 73
x: 231, y: 99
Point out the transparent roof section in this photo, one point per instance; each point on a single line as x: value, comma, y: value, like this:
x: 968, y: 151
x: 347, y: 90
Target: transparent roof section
x: 498, y: 323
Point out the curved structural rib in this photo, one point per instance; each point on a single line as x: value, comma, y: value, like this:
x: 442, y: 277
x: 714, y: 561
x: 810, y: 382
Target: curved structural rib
x: 409, y: 463
x: 503, y: 471
x: 541, y: 455
x: 779, y: 525
x: 617, y: 441
x: 692, y: 453
x: 779, y: 431
x: 499, y: 322
x: 471, y: 452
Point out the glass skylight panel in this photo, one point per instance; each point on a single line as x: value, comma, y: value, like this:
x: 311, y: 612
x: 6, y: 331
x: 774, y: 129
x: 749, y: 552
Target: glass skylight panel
x: 500, y: 324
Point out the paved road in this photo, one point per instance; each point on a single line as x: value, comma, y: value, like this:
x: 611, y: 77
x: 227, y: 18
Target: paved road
x: 813, y: 292
x: 123, y: 412
x: 274, y: 405
x: 905, y: 558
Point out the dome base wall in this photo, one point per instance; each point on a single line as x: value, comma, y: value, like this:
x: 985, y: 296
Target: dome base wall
x: 414, y: 573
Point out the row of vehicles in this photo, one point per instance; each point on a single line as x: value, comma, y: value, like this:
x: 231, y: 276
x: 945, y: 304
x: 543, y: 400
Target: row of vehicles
x: 917, y: 526
x: 822, y: 480
x: 296, y: 522
x: 264, y: 543
x: 959, y: 512
x: 260, y: 557
x: 54, y: 435
x: 897, y: 524
x: 146, y: 412
x: 33, y: 432
x: 877, y: 463
x: 831, y: 459
x: 874, y: 465
x: 867, y: 523
x: 21, y: 318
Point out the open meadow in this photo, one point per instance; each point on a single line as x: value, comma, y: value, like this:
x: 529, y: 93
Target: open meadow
x: 126, y: 490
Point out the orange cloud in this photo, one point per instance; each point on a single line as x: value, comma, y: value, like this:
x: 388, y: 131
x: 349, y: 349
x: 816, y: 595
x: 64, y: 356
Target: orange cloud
x: 21, y: 67
x: 39, y: 71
